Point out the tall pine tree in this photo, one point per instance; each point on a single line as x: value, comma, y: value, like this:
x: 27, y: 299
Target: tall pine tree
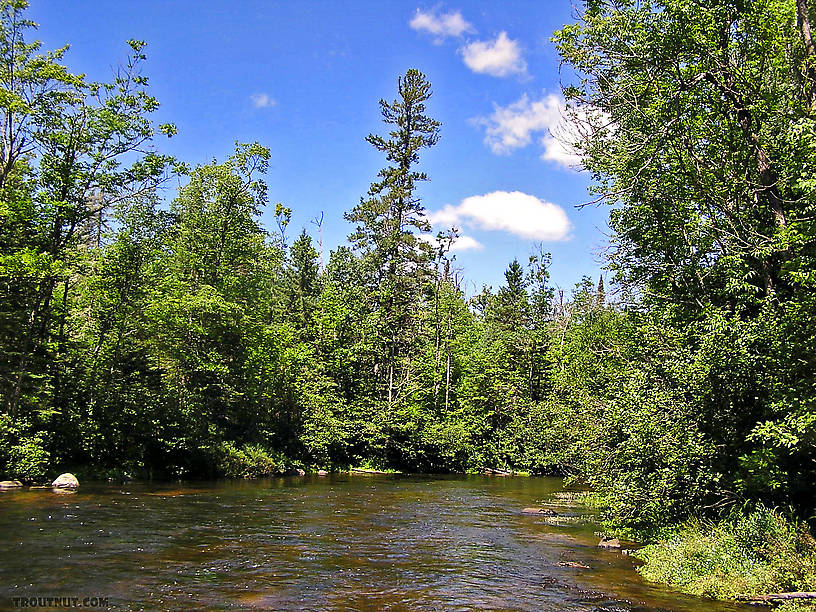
x: 399, y: 265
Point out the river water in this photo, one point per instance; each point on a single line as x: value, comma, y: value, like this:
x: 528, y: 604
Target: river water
x: 342, y: 542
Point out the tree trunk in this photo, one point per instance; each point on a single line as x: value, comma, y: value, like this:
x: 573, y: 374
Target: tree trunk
x: 803, y: 21
x: 778, y: 597
x: 391, y: 384
x: 447, y: 383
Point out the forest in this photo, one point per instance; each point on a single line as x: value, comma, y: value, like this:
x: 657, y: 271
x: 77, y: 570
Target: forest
x: 158, y: 332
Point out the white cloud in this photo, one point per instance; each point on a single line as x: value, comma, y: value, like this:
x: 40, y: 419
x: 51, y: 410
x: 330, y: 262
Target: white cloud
x: 515, y: 212
x: 440, y: 25
x: 447, y: 217
x: 263, y: 100
x: 500, y: 57
x: 513, y: 126
x: 462, y: 243
x: 466, y: 243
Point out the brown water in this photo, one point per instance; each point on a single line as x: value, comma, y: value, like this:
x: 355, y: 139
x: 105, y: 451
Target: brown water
x: 344, y: 542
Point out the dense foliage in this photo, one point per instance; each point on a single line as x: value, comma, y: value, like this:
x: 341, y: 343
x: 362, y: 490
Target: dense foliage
x: 172, y: 334
x: 696, y: 120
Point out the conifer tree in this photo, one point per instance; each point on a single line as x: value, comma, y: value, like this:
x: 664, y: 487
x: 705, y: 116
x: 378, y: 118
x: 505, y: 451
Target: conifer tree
x: 398, y: 264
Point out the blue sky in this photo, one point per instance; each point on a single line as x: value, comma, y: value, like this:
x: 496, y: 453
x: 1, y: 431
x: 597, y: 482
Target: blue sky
x: 305, y: 78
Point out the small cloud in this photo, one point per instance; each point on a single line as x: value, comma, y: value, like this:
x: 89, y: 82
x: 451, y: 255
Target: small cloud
x: 263, y: 100
x: 514, y: 212
x: 461, y: 244
x: 500, y: 57
x: 513, y: 126
x: 466, y: 243
x: 441, y: 25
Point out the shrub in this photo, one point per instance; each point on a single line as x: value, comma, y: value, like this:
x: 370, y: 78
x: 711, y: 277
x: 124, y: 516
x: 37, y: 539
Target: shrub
x: 22, y: 454
x: 249, y: 461
x: 28, y: 460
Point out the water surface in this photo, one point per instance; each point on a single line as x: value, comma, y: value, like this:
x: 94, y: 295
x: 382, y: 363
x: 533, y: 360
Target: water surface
x: 343, y: 542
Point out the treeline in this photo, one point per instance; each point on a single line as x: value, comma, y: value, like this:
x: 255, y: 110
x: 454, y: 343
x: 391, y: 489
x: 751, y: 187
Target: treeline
x: 169, y: 334
x: 174, y: 335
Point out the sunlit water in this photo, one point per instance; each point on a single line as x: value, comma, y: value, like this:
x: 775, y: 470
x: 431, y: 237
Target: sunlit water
x: 343, y: 542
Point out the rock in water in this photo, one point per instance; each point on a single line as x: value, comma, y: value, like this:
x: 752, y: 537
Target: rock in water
x: 609, y: 543
x: 573, y: 564
x: 540, y: 511
x: 10, y: 484
x: 65, y: 481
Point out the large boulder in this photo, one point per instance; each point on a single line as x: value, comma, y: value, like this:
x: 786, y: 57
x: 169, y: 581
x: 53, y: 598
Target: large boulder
x: 10, y: 484
x: 65, y: 481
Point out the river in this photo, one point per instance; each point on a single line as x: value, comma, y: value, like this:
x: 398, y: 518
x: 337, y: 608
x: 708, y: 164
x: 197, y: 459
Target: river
x: 339, y: 542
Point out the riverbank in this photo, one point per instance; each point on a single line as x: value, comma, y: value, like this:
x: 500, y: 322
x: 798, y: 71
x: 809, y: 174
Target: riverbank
x: 232, y: 461
x: 741, y: 557
x: 757, y: 556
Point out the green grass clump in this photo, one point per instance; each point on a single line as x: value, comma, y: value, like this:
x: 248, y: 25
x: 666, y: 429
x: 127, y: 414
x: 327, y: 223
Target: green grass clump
x: 249, y: 461
x: 743, y: 555
x: 590, y: 499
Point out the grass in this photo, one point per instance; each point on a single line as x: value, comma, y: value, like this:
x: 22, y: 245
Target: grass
x: 742, y: 555
x: 746, y: 554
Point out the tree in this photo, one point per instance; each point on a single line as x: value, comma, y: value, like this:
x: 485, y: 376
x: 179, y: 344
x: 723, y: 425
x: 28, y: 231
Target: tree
x: 116, y: 400
x: 398, y: 264
x: 71, y: 149
x: 302, y: 281
x: 209, y: 310
x: 702, y: 137
x: 701, y: 131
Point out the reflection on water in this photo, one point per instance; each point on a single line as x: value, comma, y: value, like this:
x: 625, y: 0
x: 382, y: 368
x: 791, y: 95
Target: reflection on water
x: 344, y: 542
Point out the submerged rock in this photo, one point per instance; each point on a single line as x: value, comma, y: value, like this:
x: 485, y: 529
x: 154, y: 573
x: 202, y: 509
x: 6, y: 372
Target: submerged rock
x: 65, y: 481
x: 10, y: 484
x: 573, y: 564
x: 540, y: 511
x: 609, y: 543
